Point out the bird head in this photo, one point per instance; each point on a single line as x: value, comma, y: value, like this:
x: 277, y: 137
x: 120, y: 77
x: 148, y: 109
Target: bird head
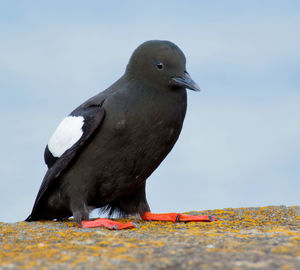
x: 160, y: 64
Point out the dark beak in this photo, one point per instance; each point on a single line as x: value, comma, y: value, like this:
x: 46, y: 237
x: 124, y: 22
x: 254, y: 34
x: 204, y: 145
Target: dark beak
x: 186, y: 81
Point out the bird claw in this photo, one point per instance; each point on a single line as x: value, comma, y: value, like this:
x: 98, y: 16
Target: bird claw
x: 190, y: 218
x: 107, y: 223
x: 175, y: 217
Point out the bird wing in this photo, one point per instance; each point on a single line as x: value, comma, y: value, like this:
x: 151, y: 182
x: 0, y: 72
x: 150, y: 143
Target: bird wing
x: 66, y: 142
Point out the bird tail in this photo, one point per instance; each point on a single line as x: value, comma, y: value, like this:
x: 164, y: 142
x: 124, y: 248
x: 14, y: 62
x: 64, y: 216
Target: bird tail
x: 32, y: 217
x: 29, y: 218
x: 36, y: 213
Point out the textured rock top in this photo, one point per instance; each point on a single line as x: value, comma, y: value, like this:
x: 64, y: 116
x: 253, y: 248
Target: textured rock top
x: 243, y: 238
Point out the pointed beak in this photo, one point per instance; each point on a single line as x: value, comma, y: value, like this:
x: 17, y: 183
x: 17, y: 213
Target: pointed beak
x: 186, y: 81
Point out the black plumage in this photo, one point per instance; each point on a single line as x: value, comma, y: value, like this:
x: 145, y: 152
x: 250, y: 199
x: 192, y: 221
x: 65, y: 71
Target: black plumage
x: 128, y: 130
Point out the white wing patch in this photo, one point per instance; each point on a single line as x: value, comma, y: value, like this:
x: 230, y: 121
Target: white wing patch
x: 68, y: 132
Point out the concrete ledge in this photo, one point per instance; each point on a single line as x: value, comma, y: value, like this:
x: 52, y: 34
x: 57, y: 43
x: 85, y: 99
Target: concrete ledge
x: 243, y: 238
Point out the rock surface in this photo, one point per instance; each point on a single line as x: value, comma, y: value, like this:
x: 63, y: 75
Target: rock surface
x: 243, y: 238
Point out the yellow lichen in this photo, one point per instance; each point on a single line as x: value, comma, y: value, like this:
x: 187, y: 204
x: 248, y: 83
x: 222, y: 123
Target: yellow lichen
x: 40, y: 244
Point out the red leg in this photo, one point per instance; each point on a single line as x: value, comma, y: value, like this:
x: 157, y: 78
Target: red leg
x: 107, y: 223
x: 176, y: 217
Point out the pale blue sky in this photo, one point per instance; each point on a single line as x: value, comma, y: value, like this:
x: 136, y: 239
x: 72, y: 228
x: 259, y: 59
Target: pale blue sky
x: 240, y: 143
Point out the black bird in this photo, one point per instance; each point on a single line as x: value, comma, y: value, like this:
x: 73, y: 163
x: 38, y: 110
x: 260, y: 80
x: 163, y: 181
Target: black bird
x: 101, y: 155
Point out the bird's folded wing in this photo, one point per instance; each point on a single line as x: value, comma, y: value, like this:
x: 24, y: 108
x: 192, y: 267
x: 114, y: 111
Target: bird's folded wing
x: 66, y: 142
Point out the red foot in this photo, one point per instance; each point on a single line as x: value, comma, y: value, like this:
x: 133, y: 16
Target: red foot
x: 175, y: 217
x: 107, y: 223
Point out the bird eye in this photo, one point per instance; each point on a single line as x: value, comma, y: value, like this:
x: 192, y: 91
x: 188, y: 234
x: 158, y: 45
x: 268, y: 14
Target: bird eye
x: 159, y: 65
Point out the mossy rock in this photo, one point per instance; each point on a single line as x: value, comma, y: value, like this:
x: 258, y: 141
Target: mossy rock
x: 243, y: 238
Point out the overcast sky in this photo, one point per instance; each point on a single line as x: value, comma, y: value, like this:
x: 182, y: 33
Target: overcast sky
x: 240, y: 144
